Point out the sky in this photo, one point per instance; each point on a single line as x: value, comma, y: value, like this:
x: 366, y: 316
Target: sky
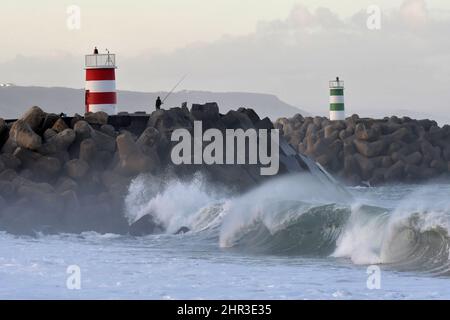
x: 290, y: 48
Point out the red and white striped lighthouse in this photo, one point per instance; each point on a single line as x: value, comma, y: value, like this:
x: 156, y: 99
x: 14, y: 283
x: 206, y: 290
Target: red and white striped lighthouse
x: 100, y: 92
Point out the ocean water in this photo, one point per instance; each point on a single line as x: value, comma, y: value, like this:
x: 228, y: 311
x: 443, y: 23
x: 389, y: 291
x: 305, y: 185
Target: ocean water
x: 288, y: 239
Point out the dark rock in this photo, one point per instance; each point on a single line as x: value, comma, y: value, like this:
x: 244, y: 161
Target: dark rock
x: 205, y: 112
x: 60, y: 125
x: 350, y: 165
x: 27, y: 174
x: 349, y: 147
x: 82, y: 130
x: 59, y: 142
x: 239, y: 177
x: 234, y: 120
x: 2, y: 203
x: 366, y: 166
x: 99, y: 118
x: 183, y: 230
x: 396, y: 156
x: 65, y: 183
x: 144, y: 226
x: 402, y: 134
x: 446, y: 153
x: 428, y: 173
x: 311, y: 130
x: 109, y: 130
x: 10, y: 161
x: 76, y: 169
x: 104, y: 142
x: 48, y: 134
x: 370, y: 149
x: 414, y: 158
x: 8, y: 175
x: 318, y: 122
x: 75, y: 119
x: 88, y: 150
x: 34, y: 192
x: 386, y: 162
x: 34, y: 118
x: 7, y: 189
x: 4, y: 132
x: 116, y: 184
x: 148, y: 139
x: 165, y: 121
x: 46, y: 167
x: 427, y: 124
x: 48, y: 122
x: 395, y: 146
x: 331, y: 132
x: 27, y: 157
x: 412, y: 172
x: 395, y: 172
x: 282, y: 124
x: 251, y: 114
x: 435, y: 133
x: 70, y: 200
x: 429, y: 151
x: 265, y: 123
x: 298, y: 118
x: 132, y: 160
x: 439, y: 165
x: 361, y: 132
x: 24, y: 136
x: 354, y: 179
x: 377, y: 177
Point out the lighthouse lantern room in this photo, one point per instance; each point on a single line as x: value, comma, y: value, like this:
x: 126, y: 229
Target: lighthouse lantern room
x: 100, y: 94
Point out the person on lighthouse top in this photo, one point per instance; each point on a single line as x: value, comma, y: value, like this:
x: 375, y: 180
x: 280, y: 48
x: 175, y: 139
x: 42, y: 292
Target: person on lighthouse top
x: 95, y: 50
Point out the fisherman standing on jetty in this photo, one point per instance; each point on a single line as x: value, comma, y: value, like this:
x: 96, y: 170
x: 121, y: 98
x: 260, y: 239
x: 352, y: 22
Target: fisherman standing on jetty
x: 95, y: 50
x: 158, y: 103
x: 158, y: 100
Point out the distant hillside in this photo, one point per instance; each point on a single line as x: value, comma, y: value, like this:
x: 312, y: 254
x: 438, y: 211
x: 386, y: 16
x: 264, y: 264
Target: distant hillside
x: 15, y: 100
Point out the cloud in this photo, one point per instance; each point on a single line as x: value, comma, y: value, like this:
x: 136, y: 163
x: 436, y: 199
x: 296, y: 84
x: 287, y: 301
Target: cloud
x: 404, y: 66
x: 414, y: 12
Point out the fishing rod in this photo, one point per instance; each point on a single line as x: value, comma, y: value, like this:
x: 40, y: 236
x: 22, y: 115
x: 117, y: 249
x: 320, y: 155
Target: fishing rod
x: 171, y: 91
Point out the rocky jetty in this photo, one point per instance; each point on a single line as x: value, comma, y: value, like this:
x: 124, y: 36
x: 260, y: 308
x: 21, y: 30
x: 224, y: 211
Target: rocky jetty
x: 364, y: 151
x: 71, y: 174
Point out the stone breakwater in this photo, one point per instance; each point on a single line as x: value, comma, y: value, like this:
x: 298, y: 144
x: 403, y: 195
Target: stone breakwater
x: 71, y: 174
x: 365, y: 151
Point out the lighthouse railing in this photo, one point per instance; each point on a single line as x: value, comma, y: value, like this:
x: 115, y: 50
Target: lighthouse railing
x: 100, y: 60
x: 336, y: 84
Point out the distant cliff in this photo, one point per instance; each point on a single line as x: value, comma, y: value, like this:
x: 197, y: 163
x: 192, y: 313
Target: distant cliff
x: 13, y: 101
x: 364, y: 151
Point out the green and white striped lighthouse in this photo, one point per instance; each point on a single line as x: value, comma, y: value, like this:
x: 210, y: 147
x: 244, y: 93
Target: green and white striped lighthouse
x: 337, y: 109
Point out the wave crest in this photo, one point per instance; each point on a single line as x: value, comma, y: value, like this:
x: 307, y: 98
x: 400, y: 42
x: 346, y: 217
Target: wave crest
x: 295, y: 215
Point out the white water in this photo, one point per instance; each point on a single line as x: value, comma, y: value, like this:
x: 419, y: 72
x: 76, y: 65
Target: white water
x: 386, y: 238
x: 206, y: 264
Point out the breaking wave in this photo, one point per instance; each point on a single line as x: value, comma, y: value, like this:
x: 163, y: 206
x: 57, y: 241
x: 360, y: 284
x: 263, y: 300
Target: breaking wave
x: 295, y: 215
